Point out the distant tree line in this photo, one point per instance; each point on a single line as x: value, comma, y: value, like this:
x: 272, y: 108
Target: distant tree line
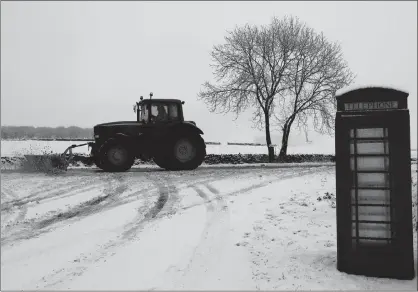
x: 27, y: 132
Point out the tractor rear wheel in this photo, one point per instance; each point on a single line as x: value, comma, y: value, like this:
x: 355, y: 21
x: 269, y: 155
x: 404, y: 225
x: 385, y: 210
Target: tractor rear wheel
x: 186, y: 152
x: 115, y: 157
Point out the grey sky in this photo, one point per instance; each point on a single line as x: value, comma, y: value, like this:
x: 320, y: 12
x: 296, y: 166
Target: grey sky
x: 83, y: 63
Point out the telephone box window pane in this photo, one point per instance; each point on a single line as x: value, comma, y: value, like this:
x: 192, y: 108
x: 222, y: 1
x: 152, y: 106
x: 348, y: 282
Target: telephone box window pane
x: 371, y: 230
x: 375, y: 197
x: 371, y: 133
x: 370, y: 163
x: 372, y: 179
x: 372, y: 242
x: 371, y: 213
x: 370, y: 147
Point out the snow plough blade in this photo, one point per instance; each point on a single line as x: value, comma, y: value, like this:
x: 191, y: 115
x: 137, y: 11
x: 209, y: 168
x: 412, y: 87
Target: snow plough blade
x: 53, y: 161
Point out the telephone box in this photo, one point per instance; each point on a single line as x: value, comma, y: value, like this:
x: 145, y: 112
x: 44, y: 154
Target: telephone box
x: 373, y: 184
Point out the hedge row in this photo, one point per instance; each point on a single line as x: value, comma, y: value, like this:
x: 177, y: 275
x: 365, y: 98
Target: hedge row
x: 238, y: 159
x: 263, y: 158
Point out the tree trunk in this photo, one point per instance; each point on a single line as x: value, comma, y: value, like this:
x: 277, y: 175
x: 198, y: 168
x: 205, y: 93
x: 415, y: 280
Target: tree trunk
x: 268, y: 139
x: 285, y: 138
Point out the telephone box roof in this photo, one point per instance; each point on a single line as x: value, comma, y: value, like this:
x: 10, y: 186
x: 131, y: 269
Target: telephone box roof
x: 371, y: 93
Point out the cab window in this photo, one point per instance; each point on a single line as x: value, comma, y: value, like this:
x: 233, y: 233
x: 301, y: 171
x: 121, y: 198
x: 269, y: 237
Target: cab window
x: 144, y: 114
x: 159, y: 112
x: 173, y: 112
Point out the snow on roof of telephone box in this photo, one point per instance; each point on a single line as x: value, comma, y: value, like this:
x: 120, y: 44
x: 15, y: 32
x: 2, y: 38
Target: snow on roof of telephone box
x: 371, y: 93
x: 359, y: 87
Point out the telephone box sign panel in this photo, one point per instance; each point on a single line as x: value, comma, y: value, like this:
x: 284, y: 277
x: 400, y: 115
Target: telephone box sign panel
x: 372, y: 100
x: 368, y: 106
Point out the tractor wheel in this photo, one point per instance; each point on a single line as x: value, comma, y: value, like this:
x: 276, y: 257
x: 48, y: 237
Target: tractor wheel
x: 186, y: 152
x: 115, y: 157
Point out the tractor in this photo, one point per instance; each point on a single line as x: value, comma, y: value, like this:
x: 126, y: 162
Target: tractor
x: 159, y: 133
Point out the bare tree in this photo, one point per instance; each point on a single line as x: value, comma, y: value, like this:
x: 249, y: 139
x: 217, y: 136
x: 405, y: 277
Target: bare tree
x: 283, y: 70
x: 250, y: 71
x: 317, y: 71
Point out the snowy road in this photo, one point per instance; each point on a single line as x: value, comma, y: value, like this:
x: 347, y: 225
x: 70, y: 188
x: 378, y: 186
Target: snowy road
x: 213, y: 228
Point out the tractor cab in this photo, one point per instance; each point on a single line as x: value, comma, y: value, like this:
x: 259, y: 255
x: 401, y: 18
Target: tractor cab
x: 159, y: 110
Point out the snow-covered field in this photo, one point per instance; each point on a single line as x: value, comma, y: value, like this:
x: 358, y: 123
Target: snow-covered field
x: 214, y: 228
x: 20, y: 148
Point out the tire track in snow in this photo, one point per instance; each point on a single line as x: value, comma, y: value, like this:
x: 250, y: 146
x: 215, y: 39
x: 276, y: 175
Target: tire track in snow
x: 19, y: 229
x: 7, y: 220
x: 67, y: 189
x: 80, y: 186
x: 5, y: 216
x: 57, y: 193
x: 52, y: 184
x: 6, y: 194
x: 266, y: 183
x: 19, y: 214
x: 91, y: 207
x: 215, y: 232
x: 208, y: 252
x: 253, y: 186
x: 166, y: 206
x: 42, y: 226
x: 168, y: 198
x: 208, y: 203
x: 46, y: 186
x: 166, y: 191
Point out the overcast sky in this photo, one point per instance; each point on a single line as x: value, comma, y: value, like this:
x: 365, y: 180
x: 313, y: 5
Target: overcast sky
x: 84, y: 63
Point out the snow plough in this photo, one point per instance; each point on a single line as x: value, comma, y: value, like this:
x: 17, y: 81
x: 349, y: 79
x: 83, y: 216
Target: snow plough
x: 51, y: 161
x: 159, y: 133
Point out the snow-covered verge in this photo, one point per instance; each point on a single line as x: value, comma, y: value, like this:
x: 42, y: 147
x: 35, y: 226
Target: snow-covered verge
x: 214, y: 228
x: 19, y: 148
x: 84, y: 161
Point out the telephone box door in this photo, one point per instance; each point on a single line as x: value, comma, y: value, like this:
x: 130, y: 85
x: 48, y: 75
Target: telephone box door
x: 370, y: 188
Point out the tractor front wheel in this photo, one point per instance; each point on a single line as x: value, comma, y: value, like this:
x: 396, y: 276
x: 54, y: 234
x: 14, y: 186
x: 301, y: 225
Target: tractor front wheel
x: 115, y: 157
